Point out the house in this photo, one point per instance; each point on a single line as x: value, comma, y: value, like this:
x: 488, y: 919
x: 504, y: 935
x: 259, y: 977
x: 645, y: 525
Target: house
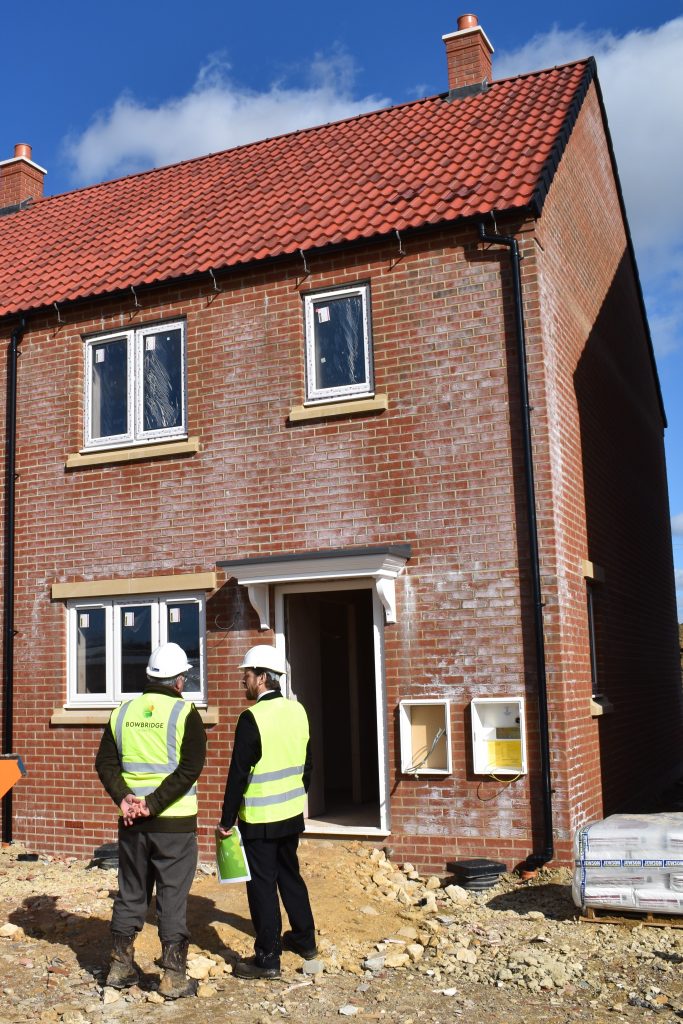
x: 381, y: 393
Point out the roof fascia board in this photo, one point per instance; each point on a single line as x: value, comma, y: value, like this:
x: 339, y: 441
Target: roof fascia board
x: 403, y: 551
x: 545, y: 178
x: 631, y: 250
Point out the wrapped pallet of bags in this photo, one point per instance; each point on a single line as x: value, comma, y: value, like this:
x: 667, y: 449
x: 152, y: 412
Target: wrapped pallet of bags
x: 630, y: 862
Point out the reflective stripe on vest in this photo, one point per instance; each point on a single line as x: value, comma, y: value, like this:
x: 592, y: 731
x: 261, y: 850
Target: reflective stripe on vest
x: 275, y: 789
x: 149, y: 733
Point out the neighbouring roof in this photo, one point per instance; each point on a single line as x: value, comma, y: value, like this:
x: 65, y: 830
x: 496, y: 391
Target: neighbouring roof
x: 409, y: 166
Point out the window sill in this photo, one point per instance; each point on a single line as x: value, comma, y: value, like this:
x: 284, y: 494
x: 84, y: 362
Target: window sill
x: 80, y: 460
x: 100, y: 716
x: 326, y: 410
x: 600, y: 706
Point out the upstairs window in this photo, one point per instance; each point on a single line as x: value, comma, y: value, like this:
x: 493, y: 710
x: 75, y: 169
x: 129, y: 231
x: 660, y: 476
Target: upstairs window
x: 338, y: 344
x: 110, y: 641
x: 135, y: 386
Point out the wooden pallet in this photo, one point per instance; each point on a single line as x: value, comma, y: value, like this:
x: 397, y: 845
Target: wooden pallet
x: 631, y: 918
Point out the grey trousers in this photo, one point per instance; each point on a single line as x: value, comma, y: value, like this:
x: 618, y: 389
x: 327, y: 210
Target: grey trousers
x: 165, y: 860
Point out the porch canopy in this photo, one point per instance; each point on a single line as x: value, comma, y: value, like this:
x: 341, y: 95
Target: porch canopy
x: 382, y: 563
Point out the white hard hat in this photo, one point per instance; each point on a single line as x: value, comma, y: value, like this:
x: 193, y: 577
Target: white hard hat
x: 167, y: 661
x: 265, y: 657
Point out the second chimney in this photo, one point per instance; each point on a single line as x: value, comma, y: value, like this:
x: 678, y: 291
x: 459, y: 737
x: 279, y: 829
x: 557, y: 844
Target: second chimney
x: 20, y: 178
x: 468, y: 53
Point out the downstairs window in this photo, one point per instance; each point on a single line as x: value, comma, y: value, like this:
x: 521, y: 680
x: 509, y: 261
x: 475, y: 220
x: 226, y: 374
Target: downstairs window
x: 110, y: 641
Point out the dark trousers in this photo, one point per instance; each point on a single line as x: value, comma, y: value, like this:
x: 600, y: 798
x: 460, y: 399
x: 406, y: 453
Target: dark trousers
x: 167, y: 860
x: 274, y: 867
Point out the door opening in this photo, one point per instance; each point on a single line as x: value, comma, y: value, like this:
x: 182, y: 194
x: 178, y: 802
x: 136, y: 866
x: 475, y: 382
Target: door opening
x: 330, y: 645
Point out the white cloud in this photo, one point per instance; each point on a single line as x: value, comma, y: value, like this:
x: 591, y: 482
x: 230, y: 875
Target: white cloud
x: 641, y: 75
x: 216, y: 114
x: 677, y: 527
x: 679, y: 592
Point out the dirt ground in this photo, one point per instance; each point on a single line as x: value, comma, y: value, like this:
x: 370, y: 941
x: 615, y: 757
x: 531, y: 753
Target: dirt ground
x: 514, y: 953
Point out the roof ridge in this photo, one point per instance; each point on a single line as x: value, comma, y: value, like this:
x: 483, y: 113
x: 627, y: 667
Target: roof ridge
x: 378, y: 111
x: 542, y: 71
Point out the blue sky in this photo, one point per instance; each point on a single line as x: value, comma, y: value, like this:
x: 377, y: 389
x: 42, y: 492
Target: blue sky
x: 99, y: 90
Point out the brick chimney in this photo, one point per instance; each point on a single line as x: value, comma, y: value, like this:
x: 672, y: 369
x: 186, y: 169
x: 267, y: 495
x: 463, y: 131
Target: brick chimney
x: 468, y: 53
x: 20, y: 178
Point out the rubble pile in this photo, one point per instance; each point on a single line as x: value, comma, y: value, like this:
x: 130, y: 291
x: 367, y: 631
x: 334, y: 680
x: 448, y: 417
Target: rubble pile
x: 393, y: 945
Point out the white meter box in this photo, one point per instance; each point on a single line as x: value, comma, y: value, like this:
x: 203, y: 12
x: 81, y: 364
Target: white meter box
x: 498, y: 736
x: 425, y: 730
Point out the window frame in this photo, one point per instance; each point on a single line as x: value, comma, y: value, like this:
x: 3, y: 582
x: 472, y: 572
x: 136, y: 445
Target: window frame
x: 366, y: 389
x: 135, y: 433
x: 591, y: 622
x: 112, y: 606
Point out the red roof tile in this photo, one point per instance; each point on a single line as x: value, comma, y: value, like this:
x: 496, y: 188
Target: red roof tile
x: 407, y: 166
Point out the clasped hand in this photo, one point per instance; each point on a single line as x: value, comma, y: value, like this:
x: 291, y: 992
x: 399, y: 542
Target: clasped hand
x: 133, y: 807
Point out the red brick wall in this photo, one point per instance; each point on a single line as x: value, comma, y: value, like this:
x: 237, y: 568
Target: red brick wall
x: 441, y: 470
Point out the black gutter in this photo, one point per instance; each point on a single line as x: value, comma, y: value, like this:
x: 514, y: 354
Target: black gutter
x: 13, y: 353
x: 534, y: 860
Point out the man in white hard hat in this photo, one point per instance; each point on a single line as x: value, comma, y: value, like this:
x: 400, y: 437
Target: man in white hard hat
x: 150, y: 757
x: 266, y: 790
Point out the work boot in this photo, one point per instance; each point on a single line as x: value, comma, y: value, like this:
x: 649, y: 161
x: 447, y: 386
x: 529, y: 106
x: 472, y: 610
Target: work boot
x: 122, y: 971
x: 251, y: 970
x: 175, y: 983
x: 305, y: 951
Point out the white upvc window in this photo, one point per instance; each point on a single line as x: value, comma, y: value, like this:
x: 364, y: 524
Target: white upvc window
x: 110, y: 641
x: 135, y: 386
x: 338, y: 344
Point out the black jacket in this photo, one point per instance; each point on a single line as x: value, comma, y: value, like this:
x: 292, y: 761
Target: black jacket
x: 175, y: 785
x: 246, y: 752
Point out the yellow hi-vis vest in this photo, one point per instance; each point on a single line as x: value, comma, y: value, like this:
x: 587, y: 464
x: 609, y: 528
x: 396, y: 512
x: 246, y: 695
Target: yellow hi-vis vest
x: 149, y: 733
x: 275, y: 790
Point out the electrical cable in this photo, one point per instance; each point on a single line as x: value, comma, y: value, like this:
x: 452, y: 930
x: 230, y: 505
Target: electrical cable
x: 416, y: 767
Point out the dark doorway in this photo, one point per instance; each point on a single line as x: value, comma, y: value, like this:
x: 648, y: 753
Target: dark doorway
x: 330, y: 651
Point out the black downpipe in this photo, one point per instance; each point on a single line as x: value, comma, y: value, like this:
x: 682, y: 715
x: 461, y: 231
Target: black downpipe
x: 534, y: 860
x: 13, y: 353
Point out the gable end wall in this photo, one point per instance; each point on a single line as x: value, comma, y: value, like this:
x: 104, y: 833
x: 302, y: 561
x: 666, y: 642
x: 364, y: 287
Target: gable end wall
x: 603, y: 495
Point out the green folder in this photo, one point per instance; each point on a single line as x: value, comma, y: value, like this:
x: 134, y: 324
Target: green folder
x: 231, y: 860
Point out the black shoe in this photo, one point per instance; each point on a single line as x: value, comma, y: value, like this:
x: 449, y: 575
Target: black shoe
x: 290, y: 943
x: 249, y: 970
